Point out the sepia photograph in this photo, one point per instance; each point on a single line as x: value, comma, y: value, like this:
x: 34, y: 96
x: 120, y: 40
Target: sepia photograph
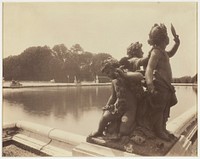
x: 100, y: 79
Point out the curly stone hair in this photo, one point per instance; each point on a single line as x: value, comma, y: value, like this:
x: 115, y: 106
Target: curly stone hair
x: 158, y: 34
x: 109, y: 63
x: 125, y: 63
x: 133, y: 48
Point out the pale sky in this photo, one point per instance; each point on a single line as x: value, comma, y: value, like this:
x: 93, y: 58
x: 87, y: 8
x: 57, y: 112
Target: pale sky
x: 101, y: 27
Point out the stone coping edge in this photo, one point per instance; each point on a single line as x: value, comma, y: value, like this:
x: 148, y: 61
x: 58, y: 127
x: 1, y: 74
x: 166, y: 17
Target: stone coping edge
x: 51, y: 133
x: 178, y: 124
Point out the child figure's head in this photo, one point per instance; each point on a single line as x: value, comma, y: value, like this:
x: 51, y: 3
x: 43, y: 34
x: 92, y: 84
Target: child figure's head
x: 109, y: 67
x: 135, y: 50
x: 158, y: 35
x: 124, y: 63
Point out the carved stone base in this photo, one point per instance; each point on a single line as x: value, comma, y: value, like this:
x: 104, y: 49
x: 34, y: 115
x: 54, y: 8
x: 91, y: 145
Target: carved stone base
x: 136, y: 145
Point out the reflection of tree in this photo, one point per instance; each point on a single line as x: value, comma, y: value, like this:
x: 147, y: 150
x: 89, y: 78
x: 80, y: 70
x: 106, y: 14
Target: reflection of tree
x: 58, y: 101
x: 194, y: 88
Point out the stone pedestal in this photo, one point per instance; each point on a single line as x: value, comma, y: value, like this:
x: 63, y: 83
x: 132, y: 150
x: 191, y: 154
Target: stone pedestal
x: 93, y: 150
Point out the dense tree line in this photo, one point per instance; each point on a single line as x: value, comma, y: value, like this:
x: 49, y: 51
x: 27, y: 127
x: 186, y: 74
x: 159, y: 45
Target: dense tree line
x: 186, y: 79
x: 59, y: 63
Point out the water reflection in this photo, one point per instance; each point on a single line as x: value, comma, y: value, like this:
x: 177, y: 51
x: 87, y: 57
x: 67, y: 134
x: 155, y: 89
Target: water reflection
x: 187, y: 98
x: 75, y: 109
x: 60, y: 101
x: 195, y: 89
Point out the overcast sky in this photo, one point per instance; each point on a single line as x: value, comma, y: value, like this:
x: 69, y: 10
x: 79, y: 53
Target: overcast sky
x: 101, y: 27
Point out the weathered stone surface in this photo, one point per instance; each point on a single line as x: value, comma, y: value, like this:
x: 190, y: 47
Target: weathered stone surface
x: 137, y: 145
x: 14, y: 151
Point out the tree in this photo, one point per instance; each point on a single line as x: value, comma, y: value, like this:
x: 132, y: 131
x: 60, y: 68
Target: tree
x: 195, y: 78
x: 43, y: 64
x: 11, y: 68
x: 77, y: 49
x: 32, y: 64
x: 97, y: 63
x: 85, y: 66
x: 60, y: 51
x: 56, y: 71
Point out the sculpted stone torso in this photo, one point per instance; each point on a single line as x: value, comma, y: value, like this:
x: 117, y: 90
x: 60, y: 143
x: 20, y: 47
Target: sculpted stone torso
x: 134, y: 63
x: 124, y: 93
x: 163, y: 66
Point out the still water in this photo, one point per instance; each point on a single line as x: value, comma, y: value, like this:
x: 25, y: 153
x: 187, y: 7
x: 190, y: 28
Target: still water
x: 73, y: 109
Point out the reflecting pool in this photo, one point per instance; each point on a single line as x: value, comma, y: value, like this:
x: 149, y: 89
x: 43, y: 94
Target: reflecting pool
x: 74, y: 109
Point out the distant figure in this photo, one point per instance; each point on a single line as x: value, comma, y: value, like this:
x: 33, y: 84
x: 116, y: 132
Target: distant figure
x: 75, y: 80
x: 15, y: 83
x: 158, y: 78
x: 121, y: 106
x: 97, y: 79
x: 52, y: 81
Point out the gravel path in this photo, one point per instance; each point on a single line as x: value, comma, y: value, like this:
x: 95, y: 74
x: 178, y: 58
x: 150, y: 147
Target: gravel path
x: 14, y: 151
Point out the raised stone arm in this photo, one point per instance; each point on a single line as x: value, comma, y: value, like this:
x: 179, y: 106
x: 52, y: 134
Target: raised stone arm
x: 133, y: 76
x: 175, y: 47
x: 143, y: 61
x: 177, y: 42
